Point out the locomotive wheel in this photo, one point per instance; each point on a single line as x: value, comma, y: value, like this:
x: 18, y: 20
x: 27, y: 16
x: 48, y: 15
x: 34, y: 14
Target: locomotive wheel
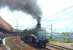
x: 43, y: 45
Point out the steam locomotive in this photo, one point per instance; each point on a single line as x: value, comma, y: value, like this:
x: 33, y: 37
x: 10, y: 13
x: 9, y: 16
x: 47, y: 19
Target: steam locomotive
x: 37, y: 37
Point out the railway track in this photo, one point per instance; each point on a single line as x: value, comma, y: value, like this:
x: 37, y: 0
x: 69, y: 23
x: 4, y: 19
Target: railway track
x: 56, y: 47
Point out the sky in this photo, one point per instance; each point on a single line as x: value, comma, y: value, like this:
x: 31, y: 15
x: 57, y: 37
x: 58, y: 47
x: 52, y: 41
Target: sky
x: 55, y: 12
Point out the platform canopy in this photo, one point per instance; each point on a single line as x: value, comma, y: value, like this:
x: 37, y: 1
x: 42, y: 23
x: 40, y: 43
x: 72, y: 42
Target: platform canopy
x: 4, y: 26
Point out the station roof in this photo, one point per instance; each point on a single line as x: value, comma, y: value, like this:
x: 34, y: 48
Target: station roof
x: 5, y: 25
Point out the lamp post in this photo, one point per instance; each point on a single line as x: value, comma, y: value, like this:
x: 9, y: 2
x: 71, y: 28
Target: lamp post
x: 51, y: 32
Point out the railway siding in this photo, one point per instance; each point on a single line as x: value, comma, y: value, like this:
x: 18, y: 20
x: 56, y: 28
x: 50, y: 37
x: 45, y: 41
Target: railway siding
x: 60, y: 45
x: 14, y: 43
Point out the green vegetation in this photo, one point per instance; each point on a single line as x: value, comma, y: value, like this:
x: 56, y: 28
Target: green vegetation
x: 63, y: 37
x: 66, y: 38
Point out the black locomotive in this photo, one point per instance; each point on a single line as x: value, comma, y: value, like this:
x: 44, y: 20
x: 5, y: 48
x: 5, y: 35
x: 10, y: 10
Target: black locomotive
x: 37, y: 37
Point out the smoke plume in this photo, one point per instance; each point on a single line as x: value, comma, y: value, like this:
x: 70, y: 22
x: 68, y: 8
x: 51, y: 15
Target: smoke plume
x: 28, y: 6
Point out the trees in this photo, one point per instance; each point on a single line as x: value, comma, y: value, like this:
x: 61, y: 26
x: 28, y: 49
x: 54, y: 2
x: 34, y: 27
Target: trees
x: 66, y: 37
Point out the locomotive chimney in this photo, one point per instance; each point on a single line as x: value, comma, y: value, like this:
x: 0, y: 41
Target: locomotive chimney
x: 38, y: 23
